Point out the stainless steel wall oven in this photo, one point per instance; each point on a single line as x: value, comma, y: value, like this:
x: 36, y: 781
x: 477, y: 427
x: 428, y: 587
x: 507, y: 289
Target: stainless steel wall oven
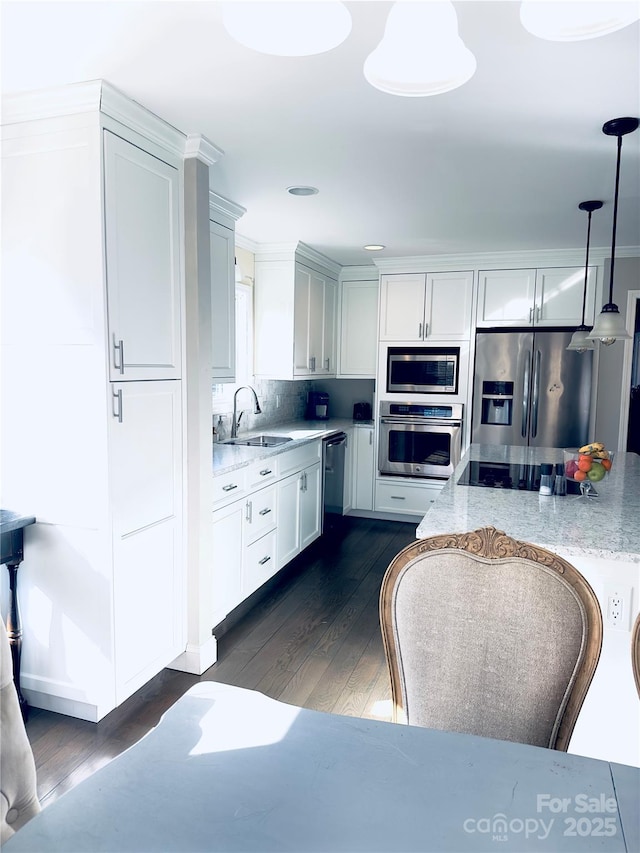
x: 419, y: 439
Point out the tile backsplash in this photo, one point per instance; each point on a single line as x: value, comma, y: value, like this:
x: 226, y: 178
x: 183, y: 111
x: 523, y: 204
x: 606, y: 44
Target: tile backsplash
x: 283, y: 401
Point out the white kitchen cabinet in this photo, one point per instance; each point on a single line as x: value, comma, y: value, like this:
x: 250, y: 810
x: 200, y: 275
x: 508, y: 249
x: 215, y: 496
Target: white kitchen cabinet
x: 358, y: 329
x: 535, y: 297
x: 145, y: 438
x: 95, y: 181
x: 406, y: 497
x: 426, y: 306
x: 226, y: 569
x: 299, y: 512
x: 363, y: 467
x: 259, y: 563
x: 295, y: 314
x: 223, y: 302
x: 310, y: 496
x: 143, y: 262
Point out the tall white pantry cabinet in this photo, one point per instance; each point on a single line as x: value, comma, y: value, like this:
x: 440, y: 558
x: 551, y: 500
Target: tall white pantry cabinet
x: 92, y: 290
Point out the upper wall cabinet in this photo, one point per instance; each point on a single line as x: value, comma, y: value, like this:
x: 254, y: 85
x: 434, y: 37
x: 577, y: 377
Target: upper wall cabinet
x: 295, y: 314
x: 426, y: 306
x: 530, y: 297
x: 358, y: 329
x: 222, y: 218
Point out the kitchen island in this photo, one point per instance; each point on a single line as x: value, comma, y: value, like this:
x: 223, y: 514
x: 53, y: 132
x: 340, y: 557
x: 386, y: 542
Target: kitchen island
x: 601, y: 538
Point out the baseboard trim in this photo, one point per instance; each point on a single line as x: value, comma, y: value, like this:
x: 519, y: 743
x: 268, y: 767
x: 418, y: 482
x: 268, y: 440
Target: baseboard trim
x: 196, y: 659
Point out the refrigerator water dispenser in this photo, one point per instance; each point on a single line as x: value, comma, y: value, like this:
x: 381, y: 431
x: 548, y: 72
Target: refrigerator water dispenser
x: 497, y: 403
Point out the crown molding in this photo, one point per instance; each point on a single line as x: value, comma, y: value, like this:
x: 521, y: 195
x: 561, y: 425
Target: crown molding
x: 92, y: 96
x: 199, y: 146
x: 247, y: 243
x: 50, y: 103
x: 359, y: 273
x: 300, y: 251
x: 221, y: 206
x: 502, y: 260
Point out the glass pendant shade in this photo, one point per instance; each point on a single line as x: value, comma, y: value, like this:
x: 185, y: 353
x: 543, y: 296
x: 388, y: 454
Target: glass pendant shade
x: 576, y: 20
x: 287, y: 28
x: 421, y: 52
x: 580, y: 342
x: 609, y: 326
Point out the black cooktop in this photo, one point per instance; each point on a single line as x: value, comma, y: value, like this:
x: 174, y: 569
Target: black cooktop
x: 503, y: 475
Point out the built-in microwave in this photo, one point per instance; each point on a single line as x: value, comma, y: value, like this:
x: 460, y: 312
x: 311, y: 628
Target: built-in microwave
x: 423, y: 370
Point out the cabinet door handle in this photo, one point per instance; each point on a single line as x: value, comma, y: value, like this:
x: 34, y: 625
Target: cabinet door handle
x: 531, y: 314
x: 117, y: 408
x: 313, y: 363
x: 326, y: 366
x: 265, y: 511
x: 419, y: 330
x: 265, y: 472
x: 118, y: 354
x: 303, y: 482
x: 538, y: 313
x: 248, y: 511
x: 230, y: 487
x: 426, y: 329
x: 263, y: 561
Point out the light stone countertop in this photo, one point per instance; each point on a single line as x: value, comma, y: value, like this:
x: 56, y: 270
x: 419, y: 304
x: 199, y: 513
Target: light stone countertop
x: 606, y: 527
x: 229, y: 457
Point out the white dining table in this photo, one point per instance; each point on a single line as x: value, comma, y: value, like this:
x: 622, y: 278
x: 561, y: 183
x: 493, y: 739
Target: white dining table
x: 228, y: 769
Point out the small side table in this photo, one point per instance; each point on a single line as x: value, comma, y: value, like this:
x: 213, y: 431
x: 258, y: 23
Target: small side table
x: 12, y: 526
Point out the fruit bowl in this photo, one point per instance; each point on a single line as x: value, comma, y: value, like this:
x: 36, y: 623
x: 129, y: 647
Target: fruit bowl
x: 588, y: 466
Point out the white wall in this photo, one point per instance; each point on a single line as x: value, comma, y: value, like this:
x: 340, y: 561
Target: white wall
x: 627, y: 277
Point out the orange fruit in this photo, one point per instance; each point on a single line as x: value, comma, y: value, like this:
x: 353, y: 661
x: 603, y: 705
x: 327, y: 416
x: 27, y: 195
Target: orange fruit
x: 585, y: 463
x: 580, y: 475
x: 606, y: 464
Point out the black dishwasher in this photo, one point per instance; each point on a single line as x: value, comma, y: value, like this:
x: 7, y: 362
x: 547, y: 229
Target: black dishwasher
x: 333, y: 458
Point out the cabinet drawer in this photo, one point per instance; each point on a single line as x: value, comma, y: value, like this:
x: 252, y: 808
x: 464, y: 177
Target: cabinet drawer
x: 299, y: 457
x: 229, y: 487
x: 405, y: 498
x: 259, y: 563
x: 260, y: 514
x: 262, y: 472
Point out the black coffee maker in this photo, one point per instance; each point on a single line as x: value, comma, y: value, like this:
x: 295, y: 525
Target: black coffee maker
x: 317, y: 406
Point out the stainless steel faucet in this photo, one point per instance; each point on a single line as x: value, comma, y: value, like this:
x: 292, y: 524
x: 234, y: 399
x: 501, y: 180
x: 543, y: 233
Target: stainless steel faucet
x: 235, y: 423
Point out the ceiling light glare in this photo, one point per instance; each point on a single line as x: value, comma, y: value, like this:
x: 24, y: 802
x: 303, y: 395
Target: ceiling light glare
x: 577, y: 20
x: 302, y: 190
x: 421, y: 52
x: 287, y: 28
x: 374, y: 247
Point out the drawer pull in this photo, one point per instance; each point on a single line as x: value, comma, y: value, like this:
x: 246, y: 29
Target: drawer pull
x: 230, y: 487
x: 398, y: 497
x: 265, y: 511
x: 263, y: 561
x: 265, y: 471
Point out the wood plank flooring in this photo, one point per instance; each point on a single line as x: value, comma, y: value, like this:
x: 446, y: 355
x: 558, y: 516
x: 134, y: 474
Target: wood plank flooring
x: 312, y: 638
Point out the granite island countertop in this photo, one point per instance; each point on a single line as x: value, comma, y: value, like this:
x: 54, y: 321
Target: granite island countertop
x: 605, y: 527
x: 229, y: 457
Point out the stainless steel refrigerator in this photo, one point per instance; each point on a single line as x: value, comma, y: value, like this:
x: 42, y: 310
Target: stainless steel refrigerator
x: 530, y: 390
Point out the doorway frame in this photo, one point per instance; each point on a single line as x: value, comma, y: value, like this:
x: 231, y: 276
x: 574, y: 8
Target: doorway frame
x: 633, y: 297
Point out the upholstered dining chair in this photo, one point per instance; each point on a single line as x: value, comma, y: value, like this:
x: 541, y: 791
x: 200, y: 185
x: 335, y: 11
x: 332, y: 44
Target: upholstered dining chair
x: 635, y: 652
x: 490, y: 636
x: 18, y: 794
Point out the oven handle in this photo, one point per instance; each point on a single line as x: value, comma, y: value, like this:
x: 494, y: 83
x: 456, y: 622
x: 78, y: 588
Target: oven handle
x: 428, y: 422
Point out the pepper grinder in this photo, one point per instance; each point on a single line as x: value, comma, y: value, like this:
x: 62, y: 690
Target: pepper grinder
x: 560, y: 484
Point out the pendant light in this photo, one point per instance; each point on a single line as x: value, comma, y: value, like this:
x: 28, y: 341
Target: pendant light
x: 580, y: 342
x: 609, y: 326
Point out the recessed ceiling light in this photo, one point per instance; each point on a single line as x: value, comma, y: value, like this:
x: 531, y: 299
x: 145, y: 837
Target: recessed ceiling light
x: 301, y: 190
x: 374, y: 247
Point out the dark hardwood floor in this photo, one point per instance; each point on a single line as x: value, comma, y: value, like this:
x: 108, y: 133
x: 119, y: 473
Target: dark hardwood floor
x: 312, y: 638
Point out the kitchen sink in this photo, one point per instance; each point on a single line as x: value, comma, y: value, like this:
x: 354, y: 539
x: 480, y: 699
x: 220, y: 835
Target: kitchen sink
x: 261, y: 440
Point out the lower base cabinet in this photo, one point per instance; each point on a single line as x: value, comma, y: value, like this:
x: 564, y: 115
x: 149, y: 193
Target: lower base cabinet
x: 257, y: 531
x: 412, y: 498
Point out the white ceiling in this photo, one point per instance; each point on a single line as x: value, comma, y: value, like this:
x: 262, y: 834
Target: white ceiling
x: 498, y: 164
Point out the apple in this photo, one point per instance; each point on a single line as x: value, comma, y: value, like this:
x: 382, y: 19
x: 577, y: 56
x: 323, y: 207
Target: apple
x: 596, y: 472
x: 570, y: 468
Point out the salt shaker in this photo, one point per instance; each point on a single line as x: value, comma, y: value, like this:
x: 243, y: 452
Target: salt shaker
x: 546, y: 479
x: 560, y: 484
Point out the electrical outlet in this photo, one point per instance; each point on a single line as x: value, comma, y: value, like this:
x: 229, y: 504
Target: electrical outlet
x: 617, y: 598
